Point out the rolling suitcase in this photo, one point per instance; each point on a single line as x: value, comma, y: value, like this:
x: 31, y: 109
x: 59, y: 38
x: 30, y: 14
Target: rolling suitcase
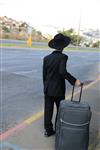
x: 72, y: 127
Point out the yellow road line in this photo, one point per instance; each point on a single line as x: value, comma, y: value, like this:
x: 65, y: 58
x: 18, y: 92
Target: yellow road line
x: 34, y: 117
x: 40, y: 114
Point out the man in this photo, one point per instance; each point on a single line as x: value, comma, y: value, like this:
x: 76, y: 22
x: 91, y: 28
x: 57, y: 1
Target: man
x: 54, y: 75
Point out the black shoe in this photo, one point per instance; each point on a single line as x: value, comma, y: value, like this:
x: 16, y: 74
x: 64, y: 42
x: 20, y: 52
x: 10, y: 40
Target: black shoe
x: 50, y: 133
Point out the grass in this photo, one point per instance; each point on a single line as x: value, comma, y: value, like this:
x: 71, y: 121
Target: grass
x: 46, y: 47
x: 23, y: 46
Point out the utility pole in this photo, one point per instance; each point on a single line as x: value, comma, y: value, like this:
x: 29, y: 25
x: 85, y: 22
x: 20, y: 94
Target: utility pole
x: 79, y: 28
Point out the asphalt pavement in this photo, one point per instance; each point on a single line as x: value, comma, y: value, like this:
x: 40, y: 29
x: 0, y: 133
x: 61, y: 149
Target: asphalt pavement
x: 21, y: 80
x: 30, y: 137
x: 22, y: 96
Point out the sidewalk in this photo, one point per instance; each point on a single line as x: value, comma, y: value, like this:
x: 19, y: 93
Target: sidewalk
x: 32, y: 138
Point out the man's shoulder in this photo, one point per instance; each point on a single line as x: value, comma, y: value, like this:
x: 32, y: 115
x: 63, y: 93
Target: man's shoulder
x: 64, y: 56
x: 47, y: 56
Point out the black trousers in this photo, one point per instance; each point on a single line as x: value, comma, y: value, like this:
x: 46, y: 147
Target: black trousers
x: 48, y: 111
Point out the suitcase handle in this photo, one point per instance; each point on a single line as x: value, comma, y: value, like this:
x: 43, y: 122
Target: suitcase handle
x: 80, y: 92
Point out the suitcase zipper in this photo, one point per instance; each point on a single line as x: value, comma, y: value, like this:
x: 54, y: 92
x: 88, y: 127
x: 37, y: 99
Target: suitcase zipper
x: 78, y: 125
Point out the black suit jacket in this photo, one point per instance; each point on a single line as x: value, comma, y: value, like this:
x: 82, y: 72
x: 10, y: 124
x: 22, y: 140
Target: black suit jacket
x: 55, y: 73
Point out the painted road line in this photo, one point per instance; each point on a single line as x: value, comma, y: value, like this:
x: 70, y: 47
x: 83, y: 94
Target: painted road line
x: 10, y: 146
x: 33, y: 118
x: 28, y: 121
x: 84, y: 88
x: 97, y: 113
x: 6, y: 134
x: 40, y: 114
x: 36, y: 116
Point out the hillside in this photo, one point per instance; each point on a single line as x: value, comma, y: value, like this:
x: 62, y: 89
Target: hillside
x: 12, y: 29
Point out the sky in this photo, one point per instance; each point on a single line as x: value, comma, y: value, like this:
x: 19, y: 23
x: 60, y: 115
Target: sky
x: 52, y: 15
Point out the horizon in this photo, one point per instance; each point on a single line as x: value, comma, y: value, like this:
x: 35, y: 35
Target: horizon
x: 49, y: 15
x: 46, y: 27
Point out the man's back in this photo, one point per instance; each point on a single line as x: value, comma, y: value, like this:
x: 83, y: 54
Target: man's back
x: 54, y: 82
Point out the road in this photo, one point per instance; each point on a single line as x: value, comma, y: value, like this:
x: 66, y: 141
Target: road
x: 11, y: 41
x: 7, y: 41
x: 21, y: 76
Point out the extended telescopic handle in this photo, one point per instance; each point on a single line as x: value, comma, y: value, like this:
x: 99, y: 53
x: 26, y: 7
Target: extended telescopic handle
x: 80, y: 92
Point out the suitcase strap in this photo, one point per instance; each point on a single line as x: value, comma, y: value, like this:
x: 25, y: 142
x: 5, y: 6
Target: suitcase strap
x: 80, y: 92
x: 72, y: 124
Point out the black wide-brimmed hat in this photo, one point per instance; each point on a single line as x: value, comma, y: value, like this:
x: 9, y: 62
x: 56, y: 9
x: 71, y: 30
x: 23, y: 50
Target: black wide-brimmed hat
x: 59, y: 41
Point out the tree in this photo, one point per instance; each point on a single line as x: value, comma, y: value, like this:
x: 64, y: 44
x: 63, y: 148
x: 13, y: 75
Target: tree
x: 74, y: 37
x: 33, y: 31
x: 66, y: 32
x: 96, y: 44
x: 6, y: 29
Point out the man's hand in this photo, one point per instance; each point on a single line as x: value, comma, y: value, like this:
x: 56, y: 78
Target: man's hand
x: 77, y: 83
